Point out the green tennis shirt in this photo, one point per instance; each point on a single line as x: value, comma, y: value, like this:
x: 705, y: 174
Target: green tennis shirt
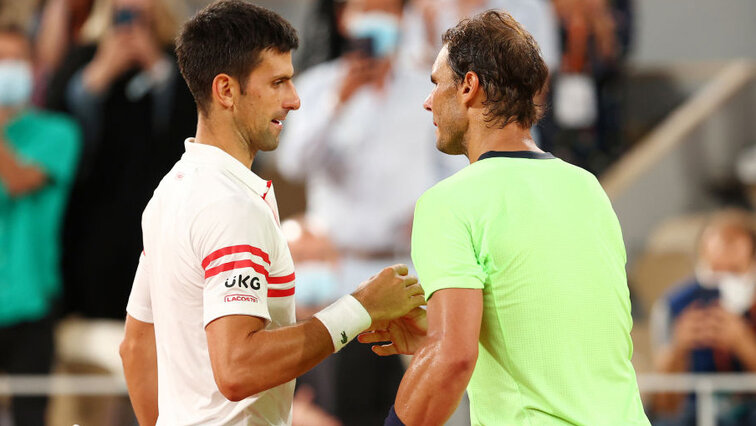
x: 539, y: 237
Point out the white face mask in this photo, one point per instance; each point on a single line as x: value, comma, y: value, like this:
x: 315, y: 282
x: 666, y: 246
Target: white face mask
x: 736, y: 291
x: 575, y: 102
x: 15, y: 82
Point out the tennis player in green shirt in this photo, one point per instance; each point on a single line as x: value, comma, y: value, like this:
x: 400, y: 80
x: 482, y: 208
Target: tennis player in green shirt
x: 520, y: 255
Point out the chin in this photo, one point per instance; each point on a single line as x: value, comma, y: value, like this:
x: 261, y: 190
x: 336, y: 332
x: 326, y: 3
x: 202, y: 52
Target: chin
x: 269, y: 144
x: 449, y: 148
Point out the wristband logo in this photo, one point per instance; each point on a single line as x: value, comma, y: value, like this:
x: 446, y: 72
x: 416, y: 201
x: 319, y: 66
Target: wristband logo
x: 243, y: 281
x: 343, y: 337
x: 241, y: 298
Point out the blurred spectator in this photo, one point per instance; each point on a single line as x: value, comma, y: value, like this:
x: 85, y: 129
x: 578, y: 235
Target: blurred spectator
x: 135, y: 110
x: 38, y: 154
x: 427, y: 20
x: 708, y: 324
x: 60, y: 23
x: 321, y: 38
x: 584, y: 124
x: 366, y: 148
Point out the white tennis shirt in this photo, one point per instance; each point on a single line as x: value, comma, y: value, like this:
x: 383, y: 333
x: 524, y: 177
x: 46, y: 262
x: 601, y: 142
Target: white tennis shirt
x: 212, y: 247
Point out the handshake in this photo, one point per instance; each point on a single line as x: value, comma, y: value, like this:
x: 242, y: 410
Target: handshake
x: 384, y: 309
x: 393, y: 300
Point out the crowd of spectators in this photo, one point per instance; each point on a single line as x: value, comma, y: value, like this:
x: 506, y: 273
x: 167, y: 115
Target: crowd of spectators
x: 94, y: 111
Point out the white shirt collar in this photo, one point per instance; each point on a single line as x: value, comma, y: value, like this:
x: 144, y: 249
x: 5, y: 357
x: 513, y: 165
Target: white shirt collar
x: 209, y: 154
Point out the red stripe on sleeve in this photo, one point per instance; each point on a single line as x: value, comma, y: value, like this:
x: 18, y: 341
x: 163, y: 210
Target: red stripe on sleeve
x: 236, y: 265
x: 235, y: 249
x: 281, y: 293
x: 281, y: 280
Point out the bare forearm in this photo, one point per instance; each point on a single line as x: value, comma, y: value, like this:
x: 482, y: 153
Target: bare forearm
x: 140, y: 369
x: 434, y: 367
x: 268, y: 358
x: 18, y: 178
x: 672, y: 360
x: 746, y: 352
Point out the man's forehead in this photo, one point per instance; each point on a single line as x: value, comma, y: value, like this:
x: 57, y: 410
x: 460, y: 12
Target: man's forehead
x: 440, y: 61
x: 273, y: 61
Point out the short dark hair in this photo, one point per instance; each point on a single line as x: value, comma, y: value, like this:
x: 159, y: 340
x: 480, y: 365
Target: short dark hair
x: 228, y: 37
x: 507, y: 61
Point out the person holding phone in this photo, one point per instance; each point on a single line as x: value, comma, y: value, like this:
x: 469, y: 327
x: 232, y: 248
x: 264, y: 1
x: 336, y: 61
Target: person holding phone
x: 361, y: 142
x: 708, y: 323
x: 124, y: 88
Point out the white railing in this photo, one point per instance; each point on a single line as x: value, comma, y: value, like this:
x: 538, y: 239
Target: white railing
x: 703, y: 385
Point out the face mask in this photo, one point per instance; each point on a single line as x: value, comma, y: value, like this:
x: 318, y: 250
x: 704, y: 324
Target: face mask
x: 15, y: 82
x: 380, y: 27
x: 706, y: 277
x: 736, y: 292
x: 575, y: 101
x: 317, y: 283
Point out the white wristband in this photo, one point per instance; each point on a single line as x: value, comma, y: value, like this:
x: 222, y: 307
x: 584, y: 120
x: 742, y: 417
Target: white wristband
x: 344, y: 319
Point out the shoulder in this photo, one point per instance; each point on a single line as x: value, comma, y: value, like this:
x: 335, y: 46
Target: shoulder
x: 216, y: 198
x: 682, y: 295
x: 449, y: 191
x: 51, y: 122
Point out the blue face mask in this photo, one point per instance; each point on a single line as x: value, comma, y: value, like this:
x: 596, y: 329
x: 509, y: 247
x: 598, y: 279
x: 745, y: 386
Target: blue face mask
x: 381, y: 27
x: 15, y: 82
x: 317, y: 283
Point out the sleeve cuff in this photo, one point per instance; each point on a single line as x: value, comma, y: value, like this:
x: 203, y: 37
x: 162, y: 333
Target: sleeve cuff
x: 212, y: 315
x: 143, y: 315
x: 450, y: 282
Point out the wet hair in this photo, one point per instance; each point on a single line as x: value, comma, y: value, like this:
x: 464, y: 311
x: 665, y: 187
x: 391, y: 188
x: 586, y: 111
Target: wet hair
x: 507, y: 61
x: 228, y: 37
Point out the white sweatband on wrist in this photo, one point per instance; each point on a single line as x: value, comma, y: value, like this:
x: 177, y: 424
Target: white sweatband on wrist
x: 344, y: 319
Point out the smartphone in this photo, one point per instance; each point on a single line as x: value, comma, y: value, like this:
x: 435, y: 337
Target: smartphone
x: 363, y: 45
x: 125, y: 17
x: 707, y: 296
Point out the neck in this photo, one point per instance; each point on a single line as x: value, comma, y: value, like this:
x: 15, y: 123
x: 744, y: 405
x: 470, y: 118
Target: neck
x: 224, y: 136
x: 512, y: 137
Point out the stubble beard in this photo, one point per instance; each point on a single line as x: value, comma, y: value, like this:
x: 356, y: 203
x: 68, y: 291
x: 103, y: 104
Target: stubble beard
x: 451, y: 141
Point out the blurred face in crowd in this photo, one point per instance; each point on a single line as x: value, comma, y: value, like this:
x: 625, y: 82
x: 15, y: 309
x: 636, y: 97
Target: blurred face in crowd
x: 130, y: 12
x: 267, y: 97
x: 448, y: 113
x: 14, y: 47
x: 376, y: 20
x: 15, y: 70
x: 726, y: 251
x: 362, y: 6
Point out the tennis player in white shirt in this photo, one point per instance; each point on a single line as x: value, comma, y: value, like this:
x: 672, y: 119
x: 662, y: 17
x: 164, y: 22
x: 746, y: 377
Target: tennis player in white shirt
x: 210, y: 335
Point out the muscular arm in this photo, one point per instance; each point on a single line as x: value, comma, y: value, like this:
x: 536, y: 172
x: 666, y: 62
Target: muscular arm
x: 445, y: 361
x: 18, y: 178
x: 139, y: 357
x: 246, y: 359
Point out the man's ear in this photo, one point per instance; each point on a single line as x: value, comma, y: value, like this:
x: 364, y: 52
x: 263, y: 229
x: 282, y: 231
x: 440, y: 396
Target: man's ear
x: 224, y: 88
x: 469, y: 88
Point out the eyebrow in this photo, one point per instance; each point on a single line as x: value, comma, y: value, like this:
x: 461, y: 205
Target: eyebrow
x: 283, y: 77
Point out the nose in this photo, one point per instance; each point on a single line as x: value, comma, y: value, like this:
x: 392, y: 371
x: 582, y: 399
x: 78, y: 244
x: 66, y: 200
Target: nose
x: 292, y: 101
x: 427, y: 103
